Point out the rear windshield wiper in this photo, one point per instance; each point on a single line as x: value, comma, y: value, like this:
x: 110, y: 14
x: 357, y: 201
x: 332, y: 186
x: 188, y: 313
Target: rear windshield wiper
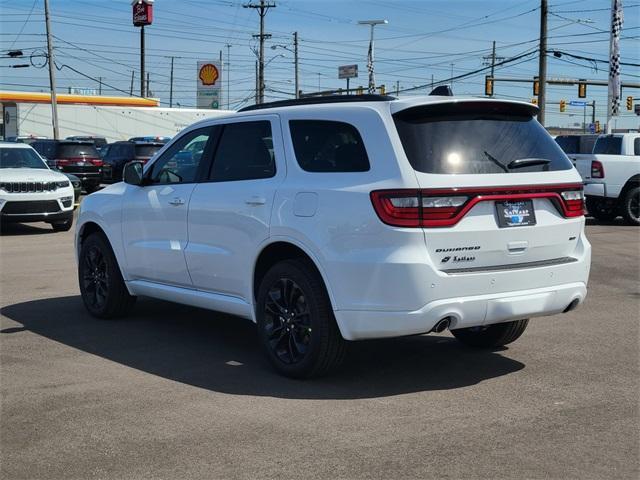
x: 493, y: 160
x: 528, y: 162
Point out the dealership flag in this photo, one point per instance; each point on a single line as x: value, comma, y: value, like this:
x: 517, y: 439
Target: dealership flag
x: 372, y: 82
x: 614, y: 57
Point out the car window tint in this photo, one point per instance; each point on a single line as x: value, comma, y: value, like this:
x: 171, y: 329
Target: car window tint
x: 179, y: 164
x: 327, y: 146
x: 46, y: 149
x: 244, y: 152
x: 608, y: 145
x: 636, y: 146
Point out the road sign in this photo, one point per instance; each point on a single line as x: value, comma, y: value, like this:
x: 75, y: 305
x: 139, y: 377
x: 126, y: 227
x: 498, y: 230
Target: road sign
x: 577, y: 103
x: 347, y: 71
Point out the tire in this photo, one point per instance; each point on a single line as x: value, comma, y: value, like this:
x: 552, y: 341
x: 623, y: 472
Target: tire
x: 101, y: 285
x: 91, y: 187
x: 491, y: 336
x: 62, y: 226
x: 631, y: 206
x: 600, y: 209
x: 296, y: 326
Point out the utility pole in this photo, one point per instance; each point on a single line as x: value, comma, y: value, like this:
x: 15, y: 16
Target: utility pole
x: 542, y: 61
x: 142, y: 61
x: 262, y: 8
x: 257, y: 87
x: 370, y: 56
x: 147, y: 91
x: 99, y: 85
x: 133, y: 74
x: 228, y: 70
x: 491, y: 60
x: 295, y: 61
x: 52, y: 72
x: 171, y: 85
x: 397, y: 87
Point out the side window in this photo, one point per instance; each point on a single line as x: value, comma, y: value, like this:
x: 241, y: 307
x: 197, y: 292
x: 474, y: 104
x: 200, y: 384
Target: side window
x: 636, y: 146
x: 179, y: 164
x: 327, y: 146
x: 245, y: 152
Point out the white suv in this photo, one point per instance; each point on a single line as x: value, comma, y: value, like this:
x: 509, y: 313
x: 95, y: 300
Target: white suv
x: 332, y: 219
x: 30, y: 191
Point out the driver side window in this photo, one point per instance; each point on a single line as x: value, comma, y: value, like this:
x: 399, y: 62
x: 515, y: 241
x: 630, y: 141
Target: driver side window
x: 179, y: 164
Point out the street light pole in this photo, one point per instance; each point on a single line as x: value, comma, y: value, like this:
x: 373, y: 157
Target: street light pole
x: 295, y: 61
x: 370, y: 56
x: 542, y: 62
x: 228, y: 70
x: 52, y: 72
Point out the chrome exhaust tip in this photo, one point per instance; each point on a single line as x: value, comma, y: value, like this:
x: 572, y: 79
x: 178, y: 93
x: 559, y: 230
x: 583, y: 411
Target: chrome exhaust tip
x: 442, y: 325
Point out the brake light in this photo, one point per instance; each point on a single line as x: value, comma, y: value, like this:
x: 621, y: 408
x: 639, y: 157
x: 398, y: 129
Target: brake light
x: 63, y: 162
x: 446, y: 207
x: 597, y: 170
x: 97, y: 162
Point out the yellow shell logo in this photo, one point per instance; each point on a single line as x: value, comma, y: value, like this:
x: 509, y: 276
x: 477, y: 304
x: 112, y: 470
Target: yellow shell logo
x: 208, y: 74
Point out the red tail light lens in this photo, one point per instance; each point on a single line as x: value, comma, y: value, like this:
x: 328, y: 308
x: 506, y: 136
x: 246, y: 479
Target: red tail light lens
x: 63, y: 162
x: 96, y: 161
x: 446, y: 207
x: 597, y: 170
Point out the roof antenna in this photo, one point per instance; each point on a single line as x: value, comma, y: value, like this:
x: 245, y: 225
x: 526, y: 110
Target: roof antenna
x: 442, y: 91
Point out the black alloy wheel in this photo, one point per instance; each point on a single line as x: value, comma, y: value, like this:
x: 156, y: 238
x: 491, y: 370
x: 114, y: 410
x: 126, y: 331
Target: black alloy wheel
x: 287, y: 321
x: 95, y: 278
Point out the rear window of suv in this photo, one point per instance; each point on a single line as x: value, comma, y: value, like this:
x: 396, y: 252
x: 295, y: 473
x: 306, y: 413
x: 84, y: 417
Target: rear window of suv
x: 328, y: 146
x: 71, y: 150
x: 147, y: 150
x: 477, y: 138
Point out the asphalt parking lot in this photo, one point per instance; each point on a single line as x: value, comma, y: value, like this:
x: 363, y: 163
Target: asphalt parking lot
x: 176, y: 392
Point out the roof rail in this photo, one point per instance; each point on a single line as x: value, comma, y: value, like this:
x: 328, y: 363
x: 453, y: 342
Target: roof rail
x: 320, y: 100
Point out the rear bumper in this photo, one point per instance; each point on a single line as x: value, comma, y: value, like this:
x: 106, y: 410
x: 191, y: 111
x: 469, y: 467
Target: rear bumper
x: 464, y: 312
x: 595, y: 189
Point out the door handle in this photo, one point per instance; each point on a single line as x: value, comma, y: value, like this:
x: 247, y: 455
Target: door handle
x: 255, y: 200
x: 176, y: 202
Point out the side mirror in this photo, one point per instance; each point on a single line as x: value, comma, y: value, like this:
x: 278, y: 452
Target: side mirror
x: 132, y: 173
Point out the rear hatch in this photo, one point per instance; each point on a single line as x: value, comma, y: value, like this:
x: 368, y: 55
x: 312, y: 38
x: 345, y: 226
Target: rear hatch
x: 496, y: 192
x: 144, y: 151
x: 78, y: 157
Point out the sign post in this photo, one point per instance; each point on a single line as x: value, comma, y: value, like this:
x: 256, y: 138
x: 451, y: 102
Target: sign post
x: 209, y: 84
x: 142, y: 15
x: 348, y: 72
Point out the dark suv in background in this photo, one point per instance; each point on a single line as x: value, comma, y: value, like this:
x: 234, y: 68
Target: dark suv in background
x: 74, y: 157
x: 116, y: 155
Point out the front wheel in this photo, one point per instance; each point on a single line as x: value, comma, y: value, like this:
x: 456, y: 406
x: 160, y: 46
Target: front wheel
x: 101, y: 285
x: 631, y: 206
x: 296, y: 326
x: 600, y: 209
x: 491, y: 336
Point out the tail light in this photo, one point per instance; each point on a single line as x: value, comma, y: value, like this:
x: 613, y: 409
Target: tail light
x: 79, y: 161
x: 446, y: 207
x: 97, y: 162
x: 597, y: 170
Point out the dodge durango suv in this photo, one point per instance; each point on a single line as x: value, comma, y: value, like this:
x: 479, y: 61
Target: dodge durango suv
x: 334, y: 219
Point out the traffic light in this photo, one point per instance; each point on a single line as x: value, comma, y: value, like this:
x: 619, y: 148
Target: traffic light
x: 360, y: 90
x: 629, y: 102
x: 563, y: 105
x: 536, y: 86
x: 488, y: 86
x: 382, y: 89
x: 582, y: 89
x: 597, y: 126
x: 534, y: 101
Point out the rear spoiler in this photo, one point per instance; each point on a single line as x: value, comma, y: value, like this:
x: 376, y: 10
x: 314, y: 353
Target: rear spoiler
x: 473, y: 107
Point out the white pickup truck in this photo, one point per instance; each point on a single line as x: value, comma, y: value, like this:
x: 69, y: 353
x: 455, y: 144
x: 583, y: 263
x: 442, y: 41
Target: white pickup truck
x: 611, y: 176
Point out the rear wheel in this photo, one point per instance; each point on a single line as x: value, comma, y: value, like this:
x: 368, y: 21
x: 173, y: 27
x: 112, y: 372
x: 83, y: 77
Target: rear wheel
x: 490, y: 336
x: 101, y: 285
x: 297, y: 329
x: 600, y: 209
x: 631, y: 206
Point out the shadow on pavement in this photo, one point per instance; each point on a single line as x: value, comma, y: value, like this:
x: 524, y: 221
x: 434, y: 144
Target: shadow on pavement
x: 9, y: 229
x: 221, y: 353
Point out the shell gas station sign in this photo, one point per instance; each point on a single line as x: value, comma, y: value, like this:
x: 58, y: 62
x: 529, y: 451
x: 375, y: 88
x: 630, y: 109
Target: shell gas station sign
x: 209, y: 84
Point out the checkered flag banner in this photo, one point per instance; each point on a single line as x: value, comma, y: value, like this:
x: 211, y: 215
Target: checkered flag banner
x: 617, y: 19
x: 372, y: 82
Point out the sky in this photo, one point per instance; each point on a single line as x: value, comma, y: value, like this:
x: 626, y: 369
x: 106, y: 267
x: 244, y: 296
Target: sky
x: 424, y: 40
